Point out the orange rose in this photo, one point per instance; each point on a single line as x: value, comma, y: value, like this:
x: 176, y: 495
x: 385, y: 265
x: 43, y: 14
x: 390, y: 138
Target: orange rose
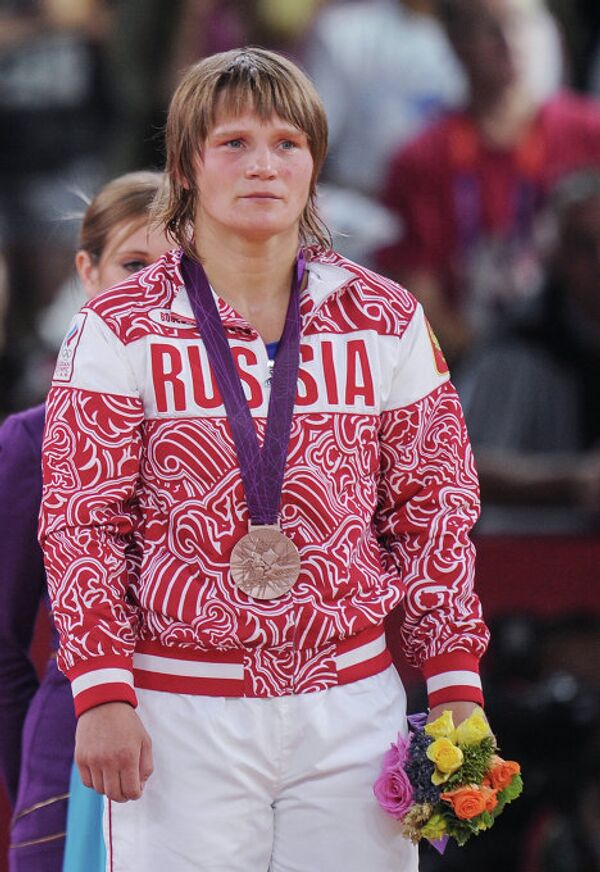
x: 503, y: 772
x: 467, y: 802
x: 491, y: 799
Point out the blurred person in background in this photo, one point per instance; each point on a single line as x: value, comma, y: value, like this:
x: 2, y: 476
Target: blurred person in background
x: 385, y: 68
x: 531, y: 395
x: 54, y: 110
x: 468, y: 189
x: 594, y: 76
x: 542, y: 679
x: 560, y: 737
x: 580, y: 23
x: 140, y: 54
x: 152, y: 42
x: 37, y: 722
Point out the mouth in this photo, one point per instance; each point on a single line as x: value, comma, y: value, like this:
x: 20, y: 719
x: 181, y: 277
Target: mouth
x: 260, y: 195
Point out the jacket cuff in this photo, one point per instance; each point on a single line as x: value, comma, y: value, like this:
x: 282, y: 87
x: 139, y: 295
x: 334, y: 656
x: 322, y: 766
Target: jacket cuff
x: 100, y: 680
x: 453, y: 677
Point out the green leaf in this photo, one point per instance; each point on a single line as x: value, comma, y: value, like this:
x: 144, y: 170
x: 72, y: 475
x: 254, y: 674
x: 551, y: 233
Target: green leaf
x: 514, y: 789
x: 476, y: 763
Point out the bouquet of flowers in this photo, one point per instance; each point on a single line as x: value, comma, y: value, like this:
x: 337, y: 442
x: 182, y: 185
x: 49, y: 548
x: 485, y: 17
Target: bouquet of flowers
x: 443, y: 782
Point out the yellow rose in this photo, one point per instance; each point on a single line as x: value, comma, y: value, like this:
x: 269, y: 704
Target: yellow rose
x: 442, y: 727
x: 447, y: 758
x: 473, y: 729
x: 438, y: 778
x: 435, y: 827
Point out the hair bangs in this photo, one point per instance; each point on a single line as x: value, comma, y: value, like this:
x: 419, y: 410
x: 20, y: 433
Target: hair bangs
x: 249, y: 88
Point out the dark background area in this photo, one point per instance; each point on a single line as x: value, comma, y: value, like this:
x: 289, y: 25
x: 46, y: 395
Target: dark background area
x: 84, y: 86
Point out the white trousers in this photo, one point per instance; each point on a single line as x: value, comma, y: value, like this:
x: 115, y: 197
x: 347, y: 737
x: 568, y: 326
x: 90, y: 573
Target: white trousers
x: 283, y: 784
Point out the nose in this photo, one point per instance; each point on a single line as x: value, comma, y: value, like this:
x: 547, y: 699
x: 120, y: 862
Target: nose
x: 261, y: 164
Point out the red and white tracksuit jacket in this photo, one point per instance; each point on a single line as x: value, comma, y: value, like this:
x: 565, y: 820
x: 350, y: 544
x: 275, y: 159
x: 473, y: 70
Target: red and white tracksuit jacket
x: 143, y: 498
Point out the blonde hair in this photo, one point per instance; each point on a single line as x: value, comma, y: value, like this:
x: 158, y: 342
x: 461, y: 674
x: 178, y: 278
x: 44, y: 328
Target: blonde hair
x: 249, y: 77
x: 124, y: 199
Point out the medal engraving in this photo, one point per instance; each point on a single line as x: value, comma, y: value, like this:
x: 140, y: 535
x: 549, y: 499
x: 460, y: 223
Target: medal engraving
x: 265, y: 563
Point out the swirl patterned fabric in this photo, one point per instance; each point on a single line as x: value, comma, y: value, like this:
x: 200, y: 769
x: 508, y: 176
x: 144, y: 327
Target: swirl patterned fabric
x: 143, y: 497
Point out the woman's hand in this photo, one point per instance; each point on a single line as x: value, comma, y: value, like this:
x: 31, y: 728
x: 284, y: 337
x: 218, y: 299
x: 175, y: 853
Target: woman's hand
x: 460, y: 711
x: 113, y: 751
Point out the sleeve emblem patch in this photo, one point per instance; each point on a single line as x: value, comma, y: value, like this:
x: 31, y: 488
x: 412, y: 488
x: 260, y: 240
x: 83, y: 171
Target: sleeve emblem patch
x: 438, y: 355
x: 66, y: 355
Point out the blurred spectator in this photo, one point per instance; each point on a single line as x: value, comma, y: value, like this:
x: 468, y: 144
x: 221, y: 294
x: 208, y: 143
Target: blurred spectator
x: 153, y: 41
x: 543, y: 697
x: 563, y: 833
x: 383, y: 68
x: 531, y: 397
x: 140, y: 57
x: 595, y: 70
x: 53, y: 112
x: 580, y: 23
x: 209, y: 26
x: 468, y: 189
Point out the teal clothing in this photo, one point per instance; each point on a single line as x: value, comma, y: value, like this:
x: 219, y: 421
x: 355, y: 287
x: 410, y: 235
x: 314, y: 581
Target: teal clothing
x: 84, y: 847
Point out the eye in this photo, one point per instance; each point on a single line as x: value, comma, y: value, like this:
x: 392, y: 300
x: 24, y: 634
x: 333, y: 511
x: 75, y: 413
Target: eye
x: 288, y: 144
x: 234, y: 143
x: 133, y: 266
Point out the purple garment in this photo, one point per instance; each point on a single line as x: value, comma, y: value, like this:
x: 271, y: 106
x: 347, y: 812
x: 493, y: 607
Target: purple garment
x: 37, y: 722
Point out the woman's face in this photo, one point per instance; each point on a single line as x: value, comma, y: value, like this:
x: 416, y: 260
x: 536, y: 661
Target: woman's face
x: 486, y: 42
x: 130, y: 246
x: 253, y: 178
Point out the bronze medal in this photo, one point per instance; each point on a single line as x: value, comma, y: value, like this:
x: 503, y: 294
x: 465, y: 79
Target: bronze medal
x: 265, y: 563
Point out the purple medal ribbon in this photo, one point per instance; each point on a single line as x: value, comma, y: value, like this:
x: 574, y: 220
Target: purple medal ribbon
x: 262, y: 470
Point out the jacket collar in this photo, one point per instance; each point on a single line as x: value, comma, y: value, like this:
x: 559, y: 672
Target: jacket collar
x: 325, y: 279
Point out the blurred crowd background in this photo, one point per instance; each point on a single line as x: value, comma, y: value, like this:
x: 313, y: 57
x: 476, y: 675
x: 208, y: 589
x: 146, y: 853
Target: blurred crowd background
x: 464, y: 162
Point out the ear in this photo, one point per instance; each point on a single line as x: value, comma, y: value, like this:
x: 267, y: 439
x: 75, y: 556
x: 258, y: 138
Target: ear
x: 186, y: 184
x: 88, y: 273
x: 181, y: 177
x: 188, y: 178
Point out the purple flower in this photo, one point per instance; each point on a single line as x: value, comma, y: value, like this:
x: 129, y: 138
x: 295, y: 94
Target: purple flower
x: 393, y: 789
x: 420, y: 769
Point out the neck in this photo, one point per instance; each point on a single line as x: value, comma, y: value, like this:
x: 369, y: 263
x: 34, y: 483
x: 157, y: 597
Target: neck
x: 502, y: 117
x: 246, y: 273
x: 252, y: 276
